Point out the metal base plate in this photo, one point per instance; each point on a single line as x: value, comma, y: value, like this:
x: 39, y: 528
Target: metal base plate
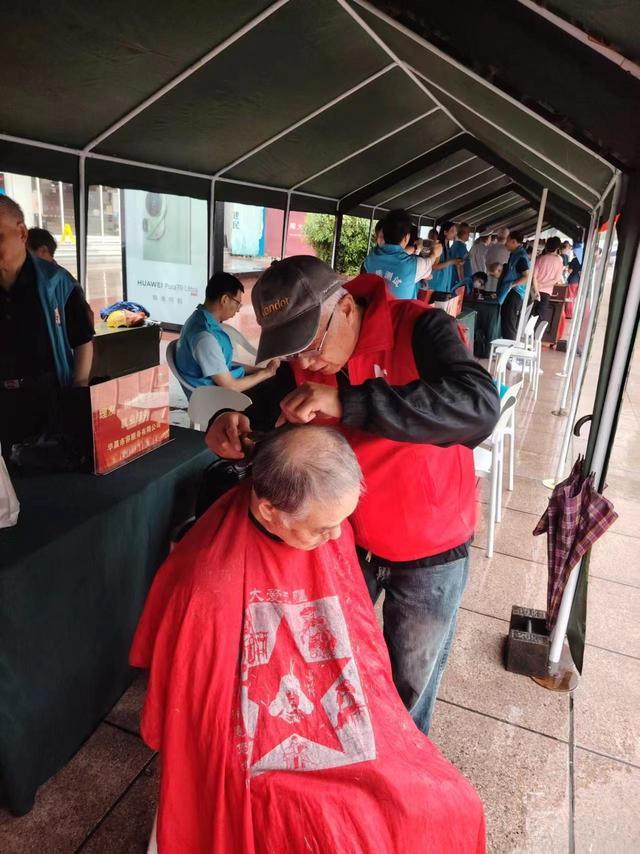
x: 562, y: 677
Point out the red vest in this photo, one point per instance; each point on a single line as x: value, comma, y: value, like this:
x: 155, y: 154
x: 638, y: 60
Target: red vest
x: 420, y: 499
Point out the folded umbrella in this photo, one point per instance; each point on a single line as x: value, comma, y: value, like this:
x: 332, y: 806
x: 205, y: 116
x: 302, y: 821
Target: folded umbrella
x: 577, y: 516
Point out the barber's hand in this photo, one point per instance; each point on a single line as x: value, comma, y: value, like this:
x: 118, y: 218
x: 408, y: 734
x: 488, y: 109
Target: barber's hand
x: 225, y: 436
x: 459, y: 262
x: 272, y: 367
x: 309, y: 401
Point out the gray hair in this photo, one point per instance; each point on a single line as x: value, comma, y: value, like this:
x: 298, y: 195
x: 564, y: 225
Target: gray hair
x: 295, y: 466
x: 11, y: 208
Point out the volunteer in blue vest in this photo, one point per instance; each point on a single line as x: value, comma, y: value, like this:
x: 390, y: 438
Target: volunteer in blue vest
x: 204, y: 352
x: 402, y: 271
x: 396, y: 379
x: 445, y: 277
x: 46, y: 335
x: 460, y: 252
x: 513, y: 284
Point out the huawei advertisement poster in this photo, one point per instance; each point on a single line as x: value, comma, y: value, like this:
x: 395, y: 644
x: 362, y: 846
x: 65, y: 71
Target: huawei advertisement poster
x: 166, y: 253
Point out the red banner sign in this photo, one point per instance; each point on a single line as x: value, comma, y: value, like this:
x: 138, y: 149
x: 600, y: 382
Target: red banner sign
x: 130, y: 417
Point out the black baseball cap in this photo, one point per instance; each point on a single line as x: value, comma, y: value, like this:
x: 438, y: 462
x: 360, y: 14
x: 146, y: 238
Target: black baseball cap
x: 287, y: 300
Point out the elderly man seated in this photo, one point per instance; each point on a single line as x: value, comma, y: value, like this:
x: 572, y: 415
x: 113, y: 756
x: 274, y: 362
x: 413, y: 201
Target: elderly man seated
x: 270, y: 695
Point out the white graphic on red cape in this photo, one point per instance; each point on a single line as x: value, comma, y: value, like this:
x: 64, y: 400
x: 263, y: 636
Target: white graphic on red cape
x: 290, y: 703
x: 301, y: 698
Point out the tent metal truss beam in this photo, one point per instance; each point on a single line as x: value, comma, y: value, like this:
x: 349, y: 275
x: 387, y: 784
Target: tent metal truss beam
x: 407, y: 70
x: 453, y: 186
x: 307, y: 118
x: 523, y: 180
x: 471, y: 207
x: 504, y: 218
x: 364, y: 148
x: 410, y: 167
x: 476, y: 213
x: 466, y: 193
x: 538, y: 154
x: 500, y: 209
x: 428, y: 180
x: 405, y: 31
x: 609, y: 53
x: 176, y: 81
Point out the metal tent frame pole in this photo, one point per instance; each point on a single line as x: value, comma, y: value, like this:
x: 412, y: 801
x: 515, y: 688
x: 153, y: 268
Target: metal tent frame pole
x: 373, y: 213
x: 82, y: 224
x: 572, y: 350
x: 625, y: 342
x: 578, y: 310
x: 285, y: 226
x: 599, y: 282
x: 534, y: 255
x: 212, y: 219
x: 336, y: 240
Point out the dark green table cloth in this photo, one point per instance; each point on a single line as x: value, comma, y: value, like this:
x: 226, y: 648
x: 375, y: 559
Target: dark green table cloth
x: 487, y: 325
x: 74, y: 574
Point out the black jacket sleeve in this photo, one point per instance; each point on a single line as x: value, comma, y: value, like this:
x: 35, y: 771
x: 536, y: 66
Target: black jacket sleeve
x: 266, y: 396
x: 455, y: 401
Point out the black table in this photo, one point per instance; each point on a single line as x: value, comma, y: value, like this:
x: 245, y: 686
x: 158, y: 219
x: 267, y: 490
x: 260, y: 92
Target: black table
x: 487, y: 325
x: 74, y: 574
x: 117, y: 352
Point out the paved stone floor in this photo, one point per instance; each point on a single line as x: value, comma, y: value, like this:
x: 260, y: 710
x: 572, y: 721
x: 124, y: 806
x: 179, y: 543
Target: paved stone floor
x: 557, y: 773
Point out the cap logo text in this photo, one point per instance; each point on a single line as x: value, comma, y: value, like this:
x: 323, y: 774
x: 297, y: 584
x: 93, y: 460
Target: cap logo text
x: 278, y: 305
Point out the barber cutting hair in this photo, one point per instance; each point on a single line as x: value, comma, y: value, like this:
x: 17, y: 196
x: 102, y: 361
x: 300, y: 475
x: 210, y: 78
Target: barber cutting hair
x: 396, y: 378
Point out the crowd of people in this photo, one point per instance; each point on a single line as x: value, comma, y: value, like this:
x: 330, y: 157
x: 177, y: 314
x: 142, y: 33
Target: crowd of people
x: 259, y: 632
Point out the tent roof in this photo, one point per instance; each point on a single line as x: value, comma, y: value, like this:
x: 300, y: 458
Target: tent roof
x: 614, y: 24
x: 329, y: 103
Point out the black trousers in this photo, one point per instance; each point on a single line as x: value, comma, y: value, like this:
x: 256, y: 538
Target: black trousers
x: 545, y: 309
x: 510, y: 314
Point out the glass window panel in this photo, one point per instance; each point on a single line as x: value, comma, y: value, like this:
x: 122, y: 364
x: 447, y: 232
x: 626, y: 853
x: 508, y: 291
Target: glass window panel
x: 94, y: 221
x: 51, y: 213
x: 111, y: 211
x: 252, y: 240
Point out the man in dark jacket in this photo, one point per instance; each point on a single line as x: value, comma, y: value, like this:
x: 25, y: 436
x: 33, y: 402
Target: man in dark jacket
x: 46, y: 334
x: 396, y: 379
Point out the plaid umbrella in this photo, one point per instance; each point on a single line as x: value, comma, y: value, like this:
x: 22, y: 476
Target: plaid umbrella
x: 576, y: 517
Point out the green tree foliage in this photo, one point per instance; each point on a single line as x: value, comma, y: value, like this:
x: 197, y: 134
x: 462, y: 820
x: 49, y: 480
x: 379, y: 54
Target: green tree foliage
x: 318, y: 232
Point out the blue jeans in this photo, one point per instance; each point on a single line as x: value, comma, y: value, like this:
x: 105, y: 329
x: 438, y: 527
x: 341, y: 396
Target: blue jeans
x: 419, y: 611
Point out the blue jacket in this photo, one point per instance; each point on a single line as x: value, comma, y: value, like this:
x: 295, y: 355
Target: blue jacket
x: 202, y: 321
x: 396, y: 267
x: 443, y: 280
x: 55, y: 285
x: 510, y: 274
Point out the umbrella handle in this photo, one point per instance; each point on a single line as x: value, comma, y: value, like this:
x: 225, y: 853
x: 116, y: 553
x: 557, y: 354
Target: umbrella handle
x: 577, y: 427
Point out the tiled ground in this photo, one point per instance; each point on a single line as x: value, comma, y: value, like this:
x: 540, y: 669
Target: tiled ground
x: 556, y: 773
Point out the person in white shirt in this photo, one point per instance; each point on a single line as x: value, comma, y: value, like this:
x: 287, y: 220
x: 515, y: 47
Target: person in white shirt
x: 497, y: 253
x: 478, y: 254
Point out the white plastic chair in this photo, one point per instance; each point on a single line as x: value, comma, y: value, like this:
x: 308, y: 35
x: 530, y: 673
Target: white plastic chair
x: 502, y: 365
x: 531, y: 359
x: 171, y: 361
x: 239, y: 340
x: 498, y: 344
x: 488, y: 462
x: 513, y: 393
x: 206, y: 400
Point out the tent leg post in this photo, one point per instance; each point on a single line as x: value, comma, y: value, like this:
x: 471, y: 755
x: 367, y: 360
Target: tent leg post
x: 285, y: 226
x: 82, y: 224
x: 578, y: 313
x: 534, y: 255
x: 373, y: 213
x: 598, y: 289
x: 336, y: 240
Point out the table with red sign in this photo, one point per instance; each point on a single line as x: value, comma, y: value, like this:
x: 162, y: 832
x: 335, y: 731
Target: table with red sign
x: 74, y: 575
